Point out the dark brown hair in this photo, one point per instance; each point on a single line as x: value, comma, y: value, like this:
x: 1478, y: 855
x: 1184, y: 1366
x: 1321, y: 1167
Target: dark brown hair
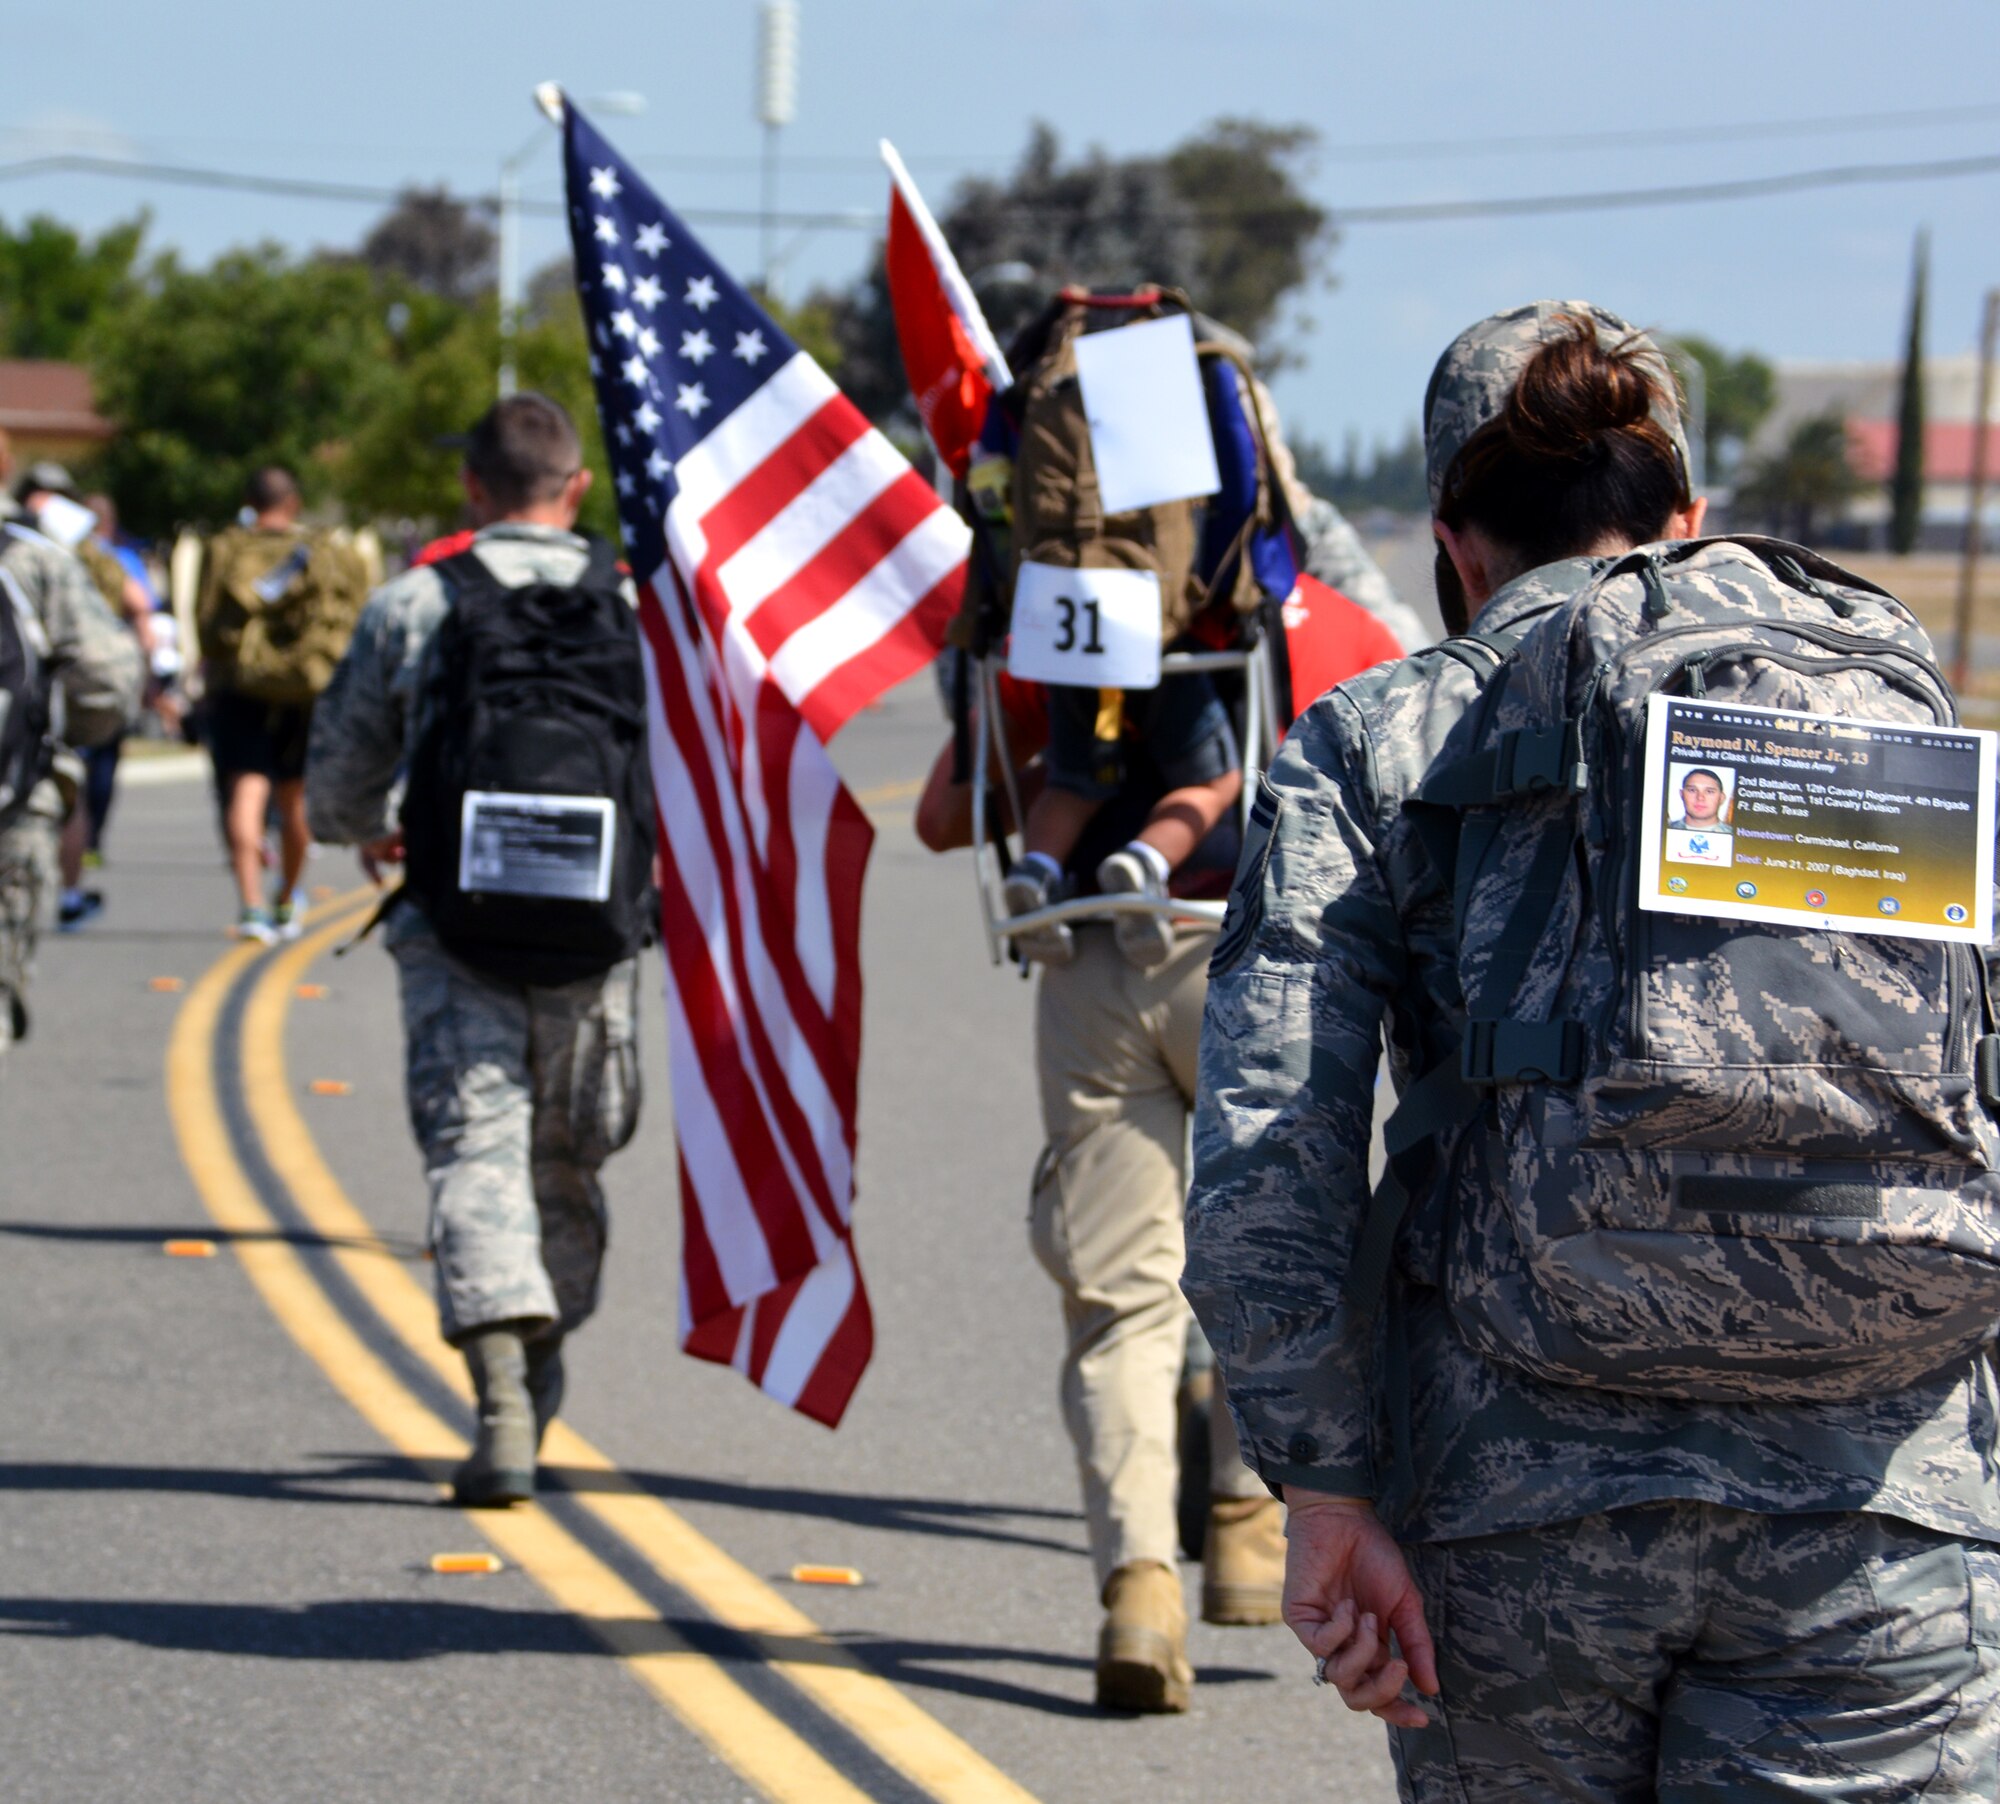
x: 1575, y: 458
x: 523, y: 450
x: 271, y: 485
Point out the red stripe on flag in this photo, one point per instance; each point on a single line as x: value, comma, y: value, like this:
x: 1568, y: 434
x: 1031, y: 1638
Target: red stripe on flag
x: 900, y: 653
x: 744, y: 512
x: 843, y: 562
x: 842, y: 1360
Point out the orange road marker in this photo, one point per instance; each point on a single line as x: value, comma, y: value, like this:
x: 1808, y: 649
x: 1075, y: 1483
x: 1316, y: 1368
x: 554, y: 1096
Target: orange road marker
x: 330, y: 1086
x: 167, y: 986
x: 311, y: 992
x: 467, y: 1562
x: 825, y: 1575
x: 188, y: 1249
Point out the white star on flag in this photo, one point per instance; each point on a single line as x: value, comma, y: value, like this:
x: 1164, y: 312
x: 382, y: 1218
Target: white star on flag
x: 649, y: 342
x: 604, y: 184
x: 624, y: 481
x: 701, y: 293
x: 650, y: 239
x: 697, y: 347
x: 614, y: 278
x: 647, y: 418
x: 691, y: 399
x: 750, y: 346
x: 648, y: 292
x: 595, y: 366
x: 607, y: 229
x: 657, y: 465
x: 622, y: 432
x: 625, y: 323
x: 635, y: 371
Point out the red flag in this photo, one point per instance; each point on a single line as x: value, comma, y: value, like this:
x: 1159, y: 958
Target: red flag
x: 1329, y: 639
x: 790, y: 566
x: 949, y: 354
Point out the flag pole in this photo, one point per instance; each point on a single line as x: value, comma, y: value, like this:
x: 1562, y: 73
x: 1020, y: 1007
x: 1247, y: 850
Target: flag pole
x: 964, y: 303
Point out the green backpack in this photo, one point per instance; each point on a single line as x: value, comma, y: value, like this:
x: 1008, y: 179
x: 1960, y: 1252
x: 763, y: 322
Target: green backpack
x: 278, y: 608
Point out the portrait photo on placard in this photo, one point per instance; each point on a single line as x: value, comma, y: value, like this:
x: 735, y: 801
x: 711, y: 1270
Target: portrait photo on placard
x: 1700, y: 800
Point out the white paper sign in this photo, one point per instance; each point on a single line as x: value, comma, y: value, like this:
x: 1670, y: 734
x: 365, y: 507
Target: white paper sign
x: 68, y: 522
x: 1093, y: 629
x: 536, y: 845
x: 1148, y: 423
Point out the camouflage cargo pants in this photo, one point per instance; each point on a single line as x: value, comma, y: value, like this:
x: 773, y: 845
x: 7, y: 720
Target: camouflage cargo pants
x: 1683, y: 1651
x: 28, y: 879
x: 1115, y: 1055
x: 517, y: 1095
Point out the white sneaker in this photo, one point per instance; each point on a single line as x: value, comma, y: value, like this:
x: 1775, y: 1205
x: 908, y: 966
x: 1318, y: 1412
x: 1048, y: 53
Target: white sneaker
x: 1145, y: 939
x: 1027, y: 888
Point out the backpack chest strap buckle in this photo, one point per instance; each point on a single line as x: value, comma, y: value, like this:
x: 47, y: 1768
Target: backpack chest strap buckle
x: 1522, y: 1052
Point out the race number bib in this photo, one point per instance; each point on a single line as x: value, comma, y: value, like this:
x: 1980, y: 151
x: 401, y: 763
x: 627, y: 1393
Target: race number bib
x: 1092, y: 629
x: 522, y: 845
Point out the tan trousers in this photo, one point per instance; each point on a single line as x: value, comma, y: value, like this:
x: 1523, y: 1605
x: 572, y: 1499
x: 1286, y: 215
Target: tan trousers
x: 1115, y: 1053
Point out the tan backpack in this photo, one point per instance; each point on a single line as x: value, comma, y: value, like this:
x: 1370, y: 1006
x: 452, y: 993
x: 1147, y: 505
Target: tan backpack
x: 278, y: 607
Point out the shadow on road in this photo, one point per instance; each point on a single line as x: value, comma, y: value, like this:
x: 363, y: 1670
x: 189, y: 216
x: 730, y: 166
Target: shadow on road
x: 394, y: 1246
x: 908, y: 1515
x: 392, y: 1629
x: 328, y: 1484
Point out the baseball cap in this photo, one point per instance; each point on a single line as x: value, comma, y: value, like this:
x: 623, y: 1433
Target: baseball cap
x: 1480, y: 366
x: 45, y: 478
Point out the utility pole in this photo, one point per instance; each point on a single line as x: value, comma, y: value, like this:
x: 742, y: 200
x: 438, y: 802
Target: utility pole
x: 1968, y: 572
x: 777, y: 100
x: 548, y: 97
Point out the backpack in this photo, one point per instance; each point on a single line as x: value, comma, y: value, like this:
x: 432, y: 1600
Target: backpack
x: 27, y: 746
x: 528, y: 819
x: 280, y: 607
x: 1680, y: 1155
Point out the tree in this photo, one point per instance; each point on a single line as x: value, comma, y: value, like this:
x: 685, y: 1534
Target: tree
x: 1906, y: 482
x: 436, y: 243
x: 1806, y: 479
x: 1220, y: 215
x: 57, y: 287
x: 1739, y: 391
x: 210, y: 373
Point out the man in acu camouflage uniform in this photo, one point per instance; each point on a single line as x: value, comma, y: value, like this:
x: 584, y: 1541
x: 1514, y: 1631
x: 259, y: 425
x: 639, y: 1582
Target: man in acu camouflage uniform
x: 518, y: 1093
x: 99, y: 678
x: 1632, y: 1597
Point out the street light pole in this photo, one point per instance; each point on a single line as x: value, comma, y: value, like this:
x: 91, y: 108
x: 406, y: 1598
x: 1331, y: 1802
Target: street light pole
x: 1968, y: 572
x: 510, y: 216
x: 777, y: 98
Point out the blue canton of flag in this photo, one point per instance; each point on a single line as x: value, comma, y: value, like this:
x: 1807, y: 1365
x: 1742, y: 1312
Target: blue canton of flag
x: 675, y: 345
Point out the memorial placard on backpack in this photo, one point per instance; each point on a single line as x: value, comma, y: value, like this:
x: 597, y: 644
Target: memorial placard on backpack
x: 1864, y: 826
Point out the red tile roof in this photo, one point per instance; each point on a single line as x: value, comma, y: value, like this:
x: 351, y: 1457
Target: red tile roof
x: 49, y: 398
x: 1871, y: 450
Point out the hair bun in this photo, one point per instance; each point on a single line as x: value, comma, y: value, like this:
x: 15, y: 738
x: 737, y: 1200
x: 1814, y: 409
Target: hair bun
x: 1575, y: 393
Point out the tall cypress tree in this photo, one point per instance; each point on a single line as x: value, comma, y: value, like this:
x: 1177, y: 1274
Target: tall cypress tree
x: 1906, y: 486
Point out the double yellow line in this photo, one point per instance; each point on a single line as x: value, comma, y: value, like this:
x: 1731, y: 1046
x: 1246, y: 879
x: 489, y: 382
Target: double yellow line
x: 756, y: 1740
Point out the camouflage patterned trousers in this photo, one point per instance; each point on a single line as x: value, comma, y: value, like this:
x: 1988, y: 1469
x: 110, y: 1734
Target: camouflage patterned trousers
x: 517, y: 1095
x: 1683, y: 1651
x: 28, y: 879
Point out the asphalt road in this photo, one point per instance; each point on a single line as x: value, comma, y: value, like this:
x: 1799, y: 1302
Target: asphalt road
x: 219, y: 1476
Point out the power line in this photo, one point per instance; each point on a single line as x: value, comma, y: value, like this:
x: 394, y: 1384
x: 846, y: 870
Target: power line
x: 1359, y: 150
x: 1397, y: 213
x: 1851, y: 176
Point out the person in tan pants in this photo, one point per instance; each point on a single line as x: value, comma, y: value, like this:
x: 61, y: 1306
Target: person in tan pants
x: 1115, y: 1055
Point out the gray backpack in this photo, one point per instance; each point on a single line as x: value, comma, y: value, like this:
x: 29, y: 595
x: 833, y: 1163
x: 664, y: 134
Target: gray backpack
x: 1687, y: 1156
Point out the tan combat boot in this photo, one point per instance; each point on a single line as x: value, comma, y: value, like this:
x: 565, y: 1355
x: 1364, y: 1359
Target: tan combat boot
x: 1142, y: 1659
x: 1243, y: 1561
x: 501, y: 1470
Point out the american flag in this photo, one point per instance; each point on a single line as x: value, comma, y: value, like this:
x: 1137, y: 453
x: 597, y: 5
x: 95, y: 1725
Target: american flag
x: 791, y: 566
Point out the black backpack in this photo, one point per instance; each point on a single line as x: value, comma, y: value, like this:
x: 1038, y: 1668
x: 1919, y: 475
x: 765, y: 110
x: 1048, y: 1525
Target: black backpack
x: 26, y: 698
x: 528, y: 820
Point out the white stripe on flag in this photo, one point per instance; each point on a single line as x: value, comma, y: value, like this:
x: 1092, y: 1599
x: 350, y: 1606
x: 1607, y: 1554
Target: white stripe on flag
x: 875, y: 605
x: 816, y: 1311
x: 815, y: 785
x: 818, y: 515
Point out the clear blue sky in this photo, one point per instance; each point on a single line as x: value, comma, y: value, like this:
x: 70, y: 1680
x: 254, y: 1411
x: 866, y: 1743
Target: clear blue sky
x: 374, y: 92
